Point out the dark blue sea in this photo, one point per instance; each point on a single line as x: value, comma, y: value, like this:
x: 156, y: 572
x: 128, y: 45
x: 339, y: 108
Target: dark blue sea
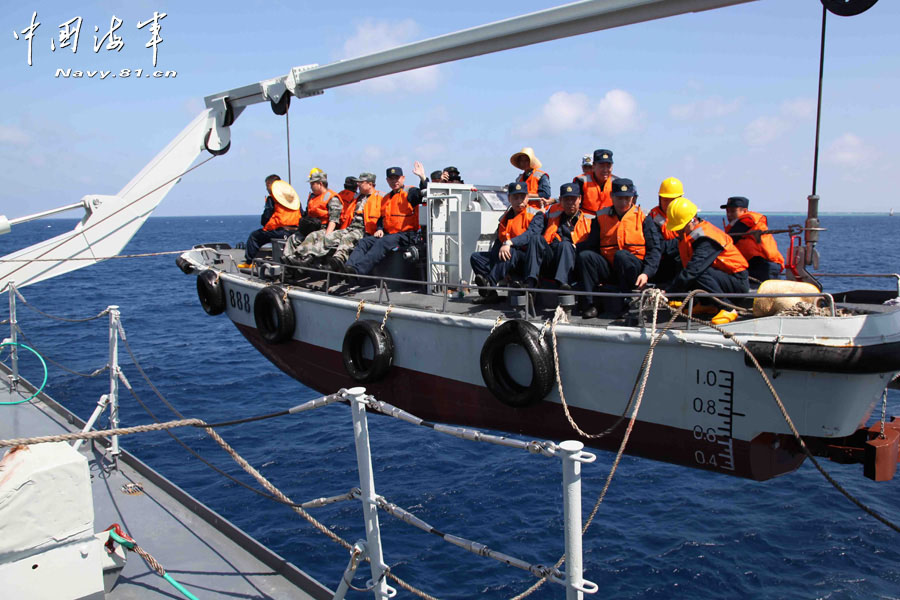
x: 663, y: 531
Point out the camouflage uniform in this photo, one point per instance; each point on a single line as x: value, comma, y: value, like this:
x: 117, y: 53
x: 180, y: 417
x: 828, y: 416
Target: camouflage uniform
x: 318, y: 244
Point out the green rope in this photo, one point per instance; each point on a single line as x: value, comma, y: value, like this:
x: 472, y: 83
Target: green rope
x: 43, y: 363
x: 130, y: 545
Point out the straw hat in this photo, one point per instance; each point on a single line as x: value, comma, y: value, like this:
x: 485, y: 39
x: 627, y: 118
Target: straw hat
x: 285, y: 195
x: 529, y: 152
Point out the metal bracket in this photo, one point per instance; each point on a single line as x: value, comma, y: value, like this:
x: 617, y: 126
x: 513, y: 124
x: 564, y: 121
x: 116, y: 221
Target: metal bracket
x: 294, y: 84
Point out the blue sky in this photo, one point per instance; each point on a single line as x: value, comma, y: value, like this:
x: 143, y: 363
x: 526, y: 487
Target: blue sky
x: 724, y: 100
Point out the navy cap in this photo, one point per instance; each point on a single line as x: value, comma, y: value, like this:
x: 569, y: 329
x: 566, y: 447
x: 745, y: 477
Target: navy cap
x: 736, y: 202
x: 603, y: 156
x: 394, y: 172
x: 517, y: 187
x: 350, y: 182
x: 452, y: 170
x: 436, y: 175
x: 623, y: 187
x: 568, y: 190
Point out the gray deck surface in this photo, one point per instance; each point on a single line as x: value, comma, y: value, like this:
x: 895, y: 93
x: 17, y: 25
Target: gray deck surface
x: 209, y: 563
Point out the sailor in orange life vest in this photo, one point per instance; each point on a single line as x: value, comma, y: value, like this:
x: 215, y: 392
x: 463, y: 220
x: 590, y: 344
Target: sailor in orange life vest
x: 348, y: 198
x: 562, y: 232
x: 761, y: 251
x: 595, y: 194
x: 518, y: 248
x: 622, y: 250
x: 669, y: 260
x: 587, y: 169
x: 398, y: 226
x: 323, y: 207
x: 710, y: 261
x: 538, y: 181
x: 279, y: 219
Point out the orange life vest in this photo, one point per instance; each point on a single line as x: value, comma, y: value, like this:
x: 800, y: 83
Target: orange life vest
x: 595, y: 198
x: 659, y: 217
x: 282, y: 217
x: 730, y: 259
x: 371, y: 212
x: 625, y: 233
x: 317, y: 206
x: 532, y: 181
x: 348, y: 199
x: 583, y: 179
x: 515, y: 225
x: 398, y: 214
x: 579, y: 232
x: 747, y: 244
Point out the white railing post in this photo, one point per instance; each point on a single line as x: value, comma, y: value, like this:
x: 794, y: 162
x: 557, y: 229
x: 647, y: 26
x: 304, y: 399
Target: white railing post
x: 357, y: 555
x: 114, y: 377
x: 13, y: 338
x: 572, y: 457
x: 379, y: 586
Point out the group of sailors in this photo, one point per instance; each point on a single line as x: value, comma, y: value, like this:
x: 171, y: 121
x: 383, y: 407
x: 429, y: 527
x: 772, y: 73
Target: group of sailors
x: 593, y: 236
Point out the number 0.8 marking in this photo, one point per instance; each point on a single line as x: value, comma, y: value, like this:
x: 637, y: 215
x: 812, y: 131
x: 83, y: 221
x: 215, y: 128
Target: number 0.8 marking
x: 710, y: 406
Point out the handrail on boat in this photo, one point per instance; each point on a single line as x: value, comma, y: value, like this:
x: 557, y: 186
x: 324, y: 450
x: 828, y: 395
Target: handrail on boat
x: 446, y: 287
x: 895, y: 276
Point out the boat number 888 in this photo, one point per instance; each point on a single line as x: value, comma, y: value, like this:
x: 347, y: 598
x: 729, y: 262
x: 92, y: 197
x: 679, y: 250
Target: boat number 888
x: 239, y: 301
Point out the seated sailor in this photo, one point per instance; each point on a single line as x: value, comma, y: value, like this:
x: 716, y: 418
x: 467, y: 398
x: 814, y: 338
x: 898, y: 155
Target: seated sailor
x: 538, y: 181
x: 323, y: 207
x: 562, y: 232
x: 348, y: 197
x: 595, y: 193
x: 398, y: 225
x: 622, y: 249
x: 279, y: 219
x: 710, y: 261
x: 747, y: 229
x: 669, y: 260
x: 362, y: 219
x: 518, y: 248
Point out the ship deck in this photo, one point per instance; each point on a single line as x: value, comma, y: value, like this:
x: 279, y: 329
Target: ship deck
x: 201, y: 549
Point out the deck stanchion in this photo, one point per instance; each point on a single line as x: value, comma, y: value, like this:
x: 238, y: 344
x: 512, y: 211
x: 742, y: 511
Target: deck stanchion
x: 378, y: 584
x: 114, y: 378
x: 13, y: 337
x: 357, y: 555
x: 572, y: 455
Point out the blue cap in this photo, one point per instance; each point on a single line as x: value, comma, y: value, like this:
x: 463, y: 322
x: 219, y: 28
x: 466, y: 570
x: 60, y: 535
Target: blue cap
x: 517, y: 187
x: 603, y: 156
x: 736, y: 202
x: 569, y: 190
x: 623, y: 187
x: 394, y: 172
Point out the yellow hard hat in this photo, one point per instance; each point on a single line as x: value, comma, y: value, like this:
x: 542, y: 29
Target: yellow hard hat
x: 671, y: 188
x: 680, y: 212
x: 314, y: 171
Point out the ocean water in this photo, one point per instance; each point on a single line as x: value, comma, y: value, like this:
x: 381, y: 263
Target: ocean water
x: 663, y: 531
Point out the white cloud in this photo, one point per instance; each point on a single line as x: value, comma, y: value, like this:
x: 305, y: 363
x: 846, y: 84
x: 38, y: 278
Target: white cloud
x: 848, y: 151
x: 707, y: 108
x: 763, y: 130
x: 616, y: 112
x: 768, y: 128
x: 372, y: 154
x: 799, y: 108
x: 14, y: 136
x: 374, y: 35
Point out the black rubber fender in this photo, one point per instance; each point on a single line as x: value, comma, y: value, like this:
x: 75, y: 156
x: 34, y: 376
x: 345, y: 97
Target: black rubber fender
x: 186, y: 267
x: 493, y: 366
x: 362, y: 369
x: 211, y: 292
x: 274, y: 315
